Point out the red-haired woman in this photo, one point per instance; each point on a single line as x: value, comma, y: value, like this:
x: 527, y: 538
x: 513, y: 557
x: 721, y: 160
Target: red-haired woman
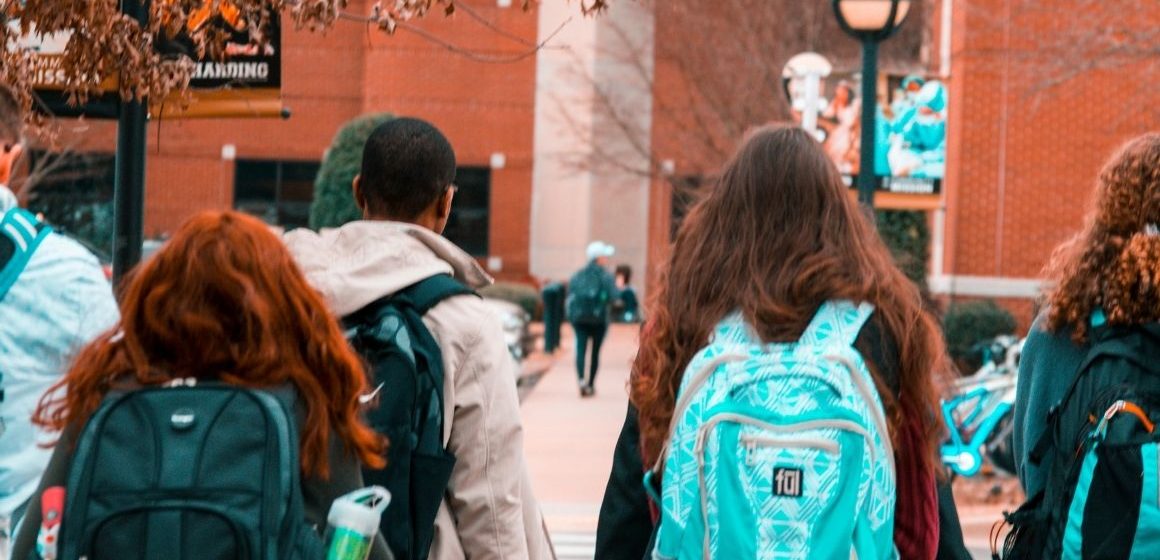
x: 224, y: 301
x: 1105, y: 285
x: 774, y: 239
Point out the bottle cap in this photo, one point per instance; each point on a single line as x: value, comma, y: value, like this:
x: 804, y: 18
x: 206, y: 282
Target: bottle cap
x: 360, y: 511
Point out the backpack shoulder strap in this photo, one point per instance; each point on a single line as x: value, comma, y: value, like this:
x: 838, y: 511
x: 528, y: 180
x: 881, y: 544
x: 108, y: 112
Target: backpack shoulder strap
x: 837, y: 322
x: 420, y: 297
x: 25, y: 233
x: 427, y: 293
x: 1107, y: 342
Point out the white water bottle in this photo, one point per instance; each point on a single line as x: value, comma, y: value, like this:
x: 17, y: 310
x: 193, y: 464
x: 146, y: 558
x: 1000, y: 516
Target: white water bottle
x: 355, y: 520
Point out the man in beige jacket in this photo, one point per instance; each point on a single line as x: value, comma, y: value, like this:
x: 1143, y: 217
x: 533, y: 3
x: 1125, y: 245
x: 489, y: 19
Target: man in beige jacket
x: 405, y: 192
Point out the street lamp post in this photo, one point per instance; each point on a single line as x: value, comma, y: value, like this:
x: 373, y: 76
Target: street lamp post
x: 129, y: 174
x: 871, y: 22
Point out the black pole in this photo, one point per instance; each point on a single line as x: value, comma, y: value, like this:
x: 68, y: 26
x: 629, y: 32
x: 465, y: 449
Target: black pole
x: 867, y: 181
x: 129, y: 189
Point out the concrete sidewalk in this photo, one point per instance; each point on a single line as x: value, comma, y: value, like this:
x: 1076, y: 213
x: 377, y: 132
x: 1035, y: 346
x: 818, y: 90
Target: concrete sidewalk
x: 569, y: 441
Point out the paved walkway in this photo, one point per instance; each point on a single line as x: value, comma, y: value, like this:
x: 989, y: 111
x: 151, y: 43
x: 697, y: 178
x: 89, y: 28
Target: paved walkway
x: 569, y: 440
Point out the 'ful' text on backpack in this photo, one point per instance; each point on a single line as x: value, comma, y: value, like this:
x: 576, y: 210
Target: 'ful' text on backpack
x: 406, y: 369
x: 588, y: 297
x: 207, y: 471
x: 1101, y: 496
x: 779, y: 450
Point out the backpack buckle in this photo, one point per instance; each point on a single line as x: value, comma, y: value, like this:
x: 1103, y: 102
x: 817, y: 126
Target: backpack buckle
x: 1122, y: 406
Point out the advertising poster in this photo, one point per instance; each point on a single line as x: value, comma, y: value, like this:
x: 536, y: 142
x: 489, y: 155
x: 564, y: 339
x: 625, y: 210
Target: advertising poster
x: 910, y: 129
x: 247, y: 63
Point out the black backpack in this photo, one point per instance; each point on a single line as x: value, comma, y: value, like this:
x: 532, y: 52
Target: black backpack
x: 407, y: 381
x: 1102, y: 441
x: 589, y: 297
x: 192, y: 471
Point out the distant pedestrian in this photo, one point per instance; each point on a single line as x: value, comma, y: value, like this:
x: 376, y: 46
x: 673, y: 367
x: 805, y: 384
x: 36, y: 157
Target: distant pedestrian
x: 627, y: 305
x: 590, y: 294
x: 219, y: 311
x: 785, y: 379
x: 54, y: 299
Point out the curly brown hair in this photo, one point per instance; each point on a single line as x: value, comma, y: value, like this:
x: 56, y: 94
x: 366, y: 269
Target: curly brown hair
x: 1113, y: 264
x: 775, y: 237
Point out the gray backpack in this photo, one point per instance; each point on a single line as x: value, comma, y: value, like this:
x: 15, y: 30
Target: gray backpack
x: 588, y: 297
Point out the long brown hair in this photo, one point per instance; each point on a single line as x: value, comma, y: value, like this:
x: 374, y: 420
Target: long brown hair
x: 1114, y: 263
x: 224, y: 300
x: 775, y: 237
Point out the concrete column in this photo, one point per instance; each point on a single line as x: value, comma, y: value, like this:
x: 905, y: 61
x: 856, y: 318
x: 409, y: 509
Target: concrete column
x: 593, y: 126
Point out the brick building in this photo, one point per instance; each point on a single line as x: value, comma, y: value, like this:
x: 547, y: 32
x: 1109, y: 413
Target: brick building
x: 483, y: 102
x: 1037, y: 102
x: 1040, y: 98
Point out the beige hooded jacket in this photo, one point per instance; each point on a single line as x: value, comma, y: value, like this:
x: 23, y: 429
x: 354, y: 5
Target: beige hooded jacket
x: 489, y: 511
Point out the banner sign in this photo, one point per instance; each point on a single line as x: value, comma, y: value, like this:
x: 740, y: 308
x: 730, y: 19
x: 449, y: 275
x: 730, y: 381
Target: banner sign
x: 246, y: 83
x: 246, y: 64
x: 910, y: 129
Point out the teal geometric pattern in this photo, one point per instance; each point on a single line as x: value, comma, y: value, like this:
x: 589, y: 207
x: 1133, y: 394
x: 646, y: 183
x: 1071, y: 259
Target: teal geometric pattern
x: 780, y: 451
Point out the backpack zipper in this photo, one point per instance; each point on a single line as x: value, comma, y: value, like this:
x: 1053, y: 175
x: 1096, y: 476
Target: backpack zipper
x: 686, y: 399
x: 752, y: 443
x: 873, y: 405
x: 367, y: 398
x: 713, y: 421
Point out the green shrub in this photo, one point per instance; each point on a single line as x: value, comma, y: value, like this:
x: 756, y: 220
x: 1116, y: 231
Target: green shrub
x: 907, y: 235
x: 333, y: 203
x: 523, y: 295
x: 966, y: 324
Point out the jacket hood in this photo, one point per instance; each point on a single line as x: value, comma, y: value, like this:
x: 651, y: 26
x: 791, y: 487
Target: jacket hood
x: 363, y: 261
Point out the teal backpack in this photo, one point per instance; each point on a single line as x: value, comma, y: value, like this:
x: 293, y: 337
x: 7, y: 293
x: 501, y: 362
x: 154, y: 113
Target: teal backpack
x: 20, y: 234
x: 778, y: 450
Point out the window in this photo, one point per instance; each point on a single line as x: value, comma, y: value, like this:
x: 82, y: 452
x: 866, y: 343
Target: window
x: 469, y: 224
x: 74, y: 191
x: 279, y: 192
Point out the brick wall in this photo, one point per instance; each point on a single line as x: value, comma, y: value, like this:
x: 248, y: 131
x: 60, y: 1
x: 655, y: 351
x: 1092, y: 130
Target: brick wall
x: 483, y: 101
x: 1023, y: 156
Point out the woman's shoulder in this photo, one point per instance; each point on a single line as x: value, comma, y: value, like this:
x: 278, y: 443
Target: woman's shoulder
x: 1041, y: 334
x: 1046, y: 349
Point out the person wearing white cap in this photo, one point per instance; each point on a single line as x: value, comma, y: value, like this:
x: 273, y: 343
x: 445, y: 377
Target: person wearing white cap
x: 590, y: 294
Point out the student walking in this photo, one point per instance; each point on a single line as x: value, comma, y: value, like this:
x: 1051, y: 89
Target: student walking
x: 1089, y: 378
x: 219, y: 330
x: 590, y: 294
x: 471, y: 497
x: 785, y: 379
x: 54, y: 299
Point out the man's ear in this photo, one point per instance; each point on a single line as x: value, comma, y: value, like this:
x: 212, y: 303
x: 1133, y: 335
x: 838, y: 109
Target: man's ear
x: 8, y: 163
x: 443, y: 208
x: 356, y: 191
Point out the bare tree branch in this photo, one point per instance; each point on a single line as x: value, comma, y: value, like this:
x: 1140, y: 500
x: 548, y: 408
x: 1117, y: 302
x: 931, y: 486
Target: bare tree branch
x: 106, y: 48
x: 461, y: 51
